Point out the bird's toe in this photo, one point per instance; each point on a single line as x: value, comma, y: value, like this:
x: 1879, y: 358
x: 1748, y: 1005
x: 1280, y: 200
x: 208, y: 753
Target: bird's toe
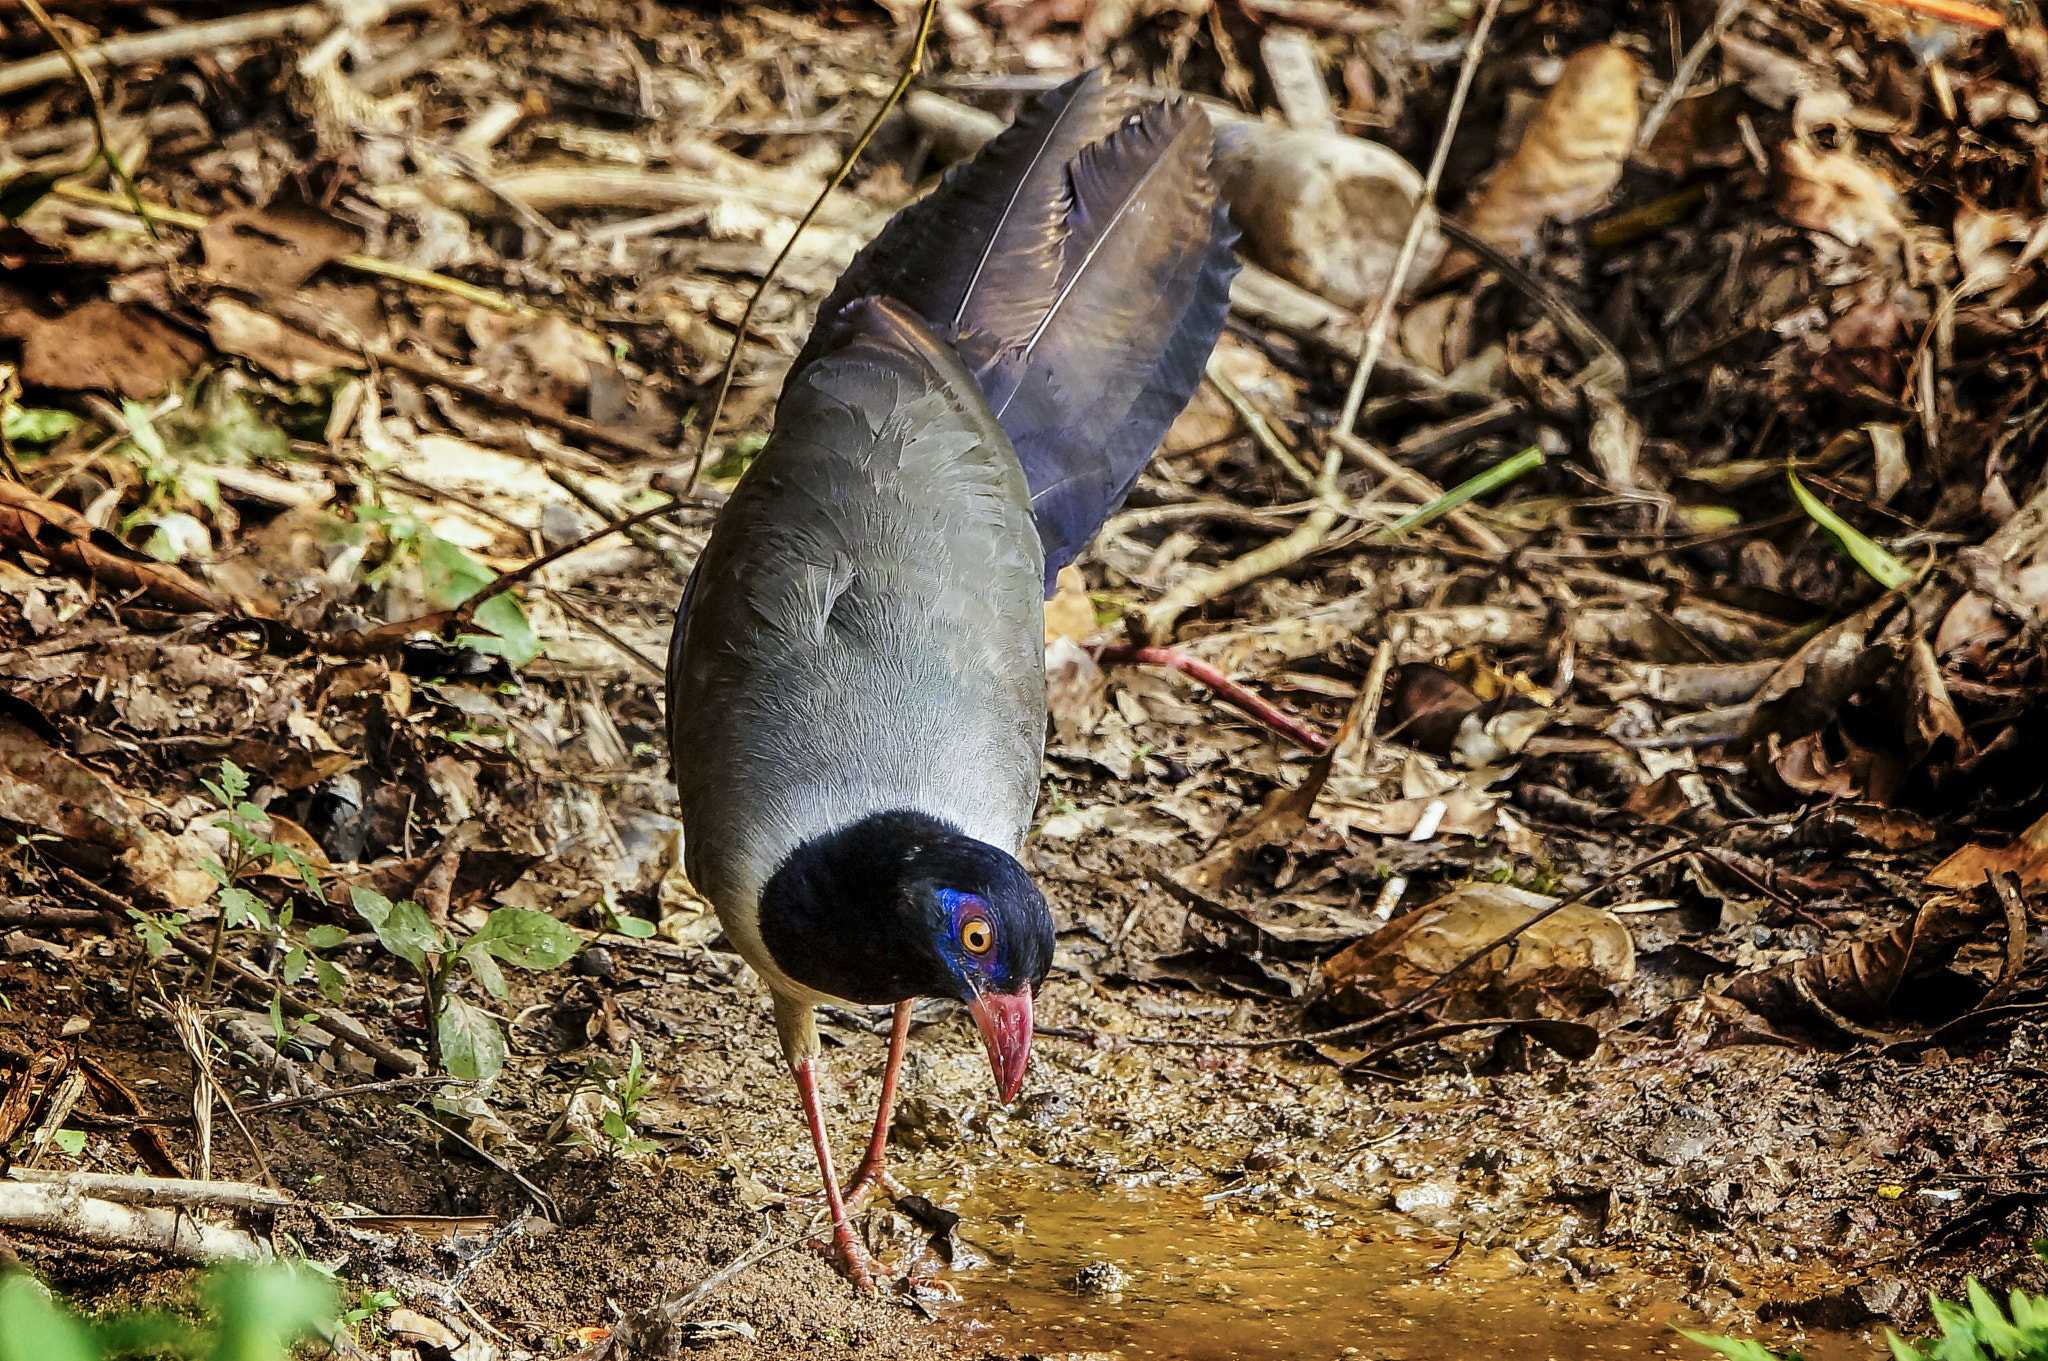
x: 852, y: 1260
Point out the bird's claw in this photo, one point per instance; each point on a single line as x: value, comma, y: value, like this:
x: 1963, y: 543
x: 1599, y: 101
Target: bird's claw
x: 851, y: 1259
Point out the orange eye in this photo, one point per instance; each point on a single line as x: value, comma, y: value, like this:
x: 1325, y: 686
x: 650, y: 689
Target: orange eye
x: 977, y: 936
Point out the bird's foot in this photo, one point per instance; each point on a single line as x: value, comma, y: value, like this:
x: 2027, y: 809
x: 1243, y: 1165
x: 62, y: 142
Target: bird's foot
x: 852, y: 1259
x: 867, y: 1179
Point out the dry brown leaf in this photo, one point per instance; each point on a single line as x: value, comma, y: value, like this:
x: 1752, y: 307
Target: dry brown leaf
x: 1069, y: 613
x: 276, y: 248
x: 1577, y: 954
x: 2027, y: 856
x: 1075, y: 689
x: 95, y: 824
x: 30, y: 524
x: 1838, y: 193
x: 1861, y: 980
x: 1282, y: 817
x: 238, y: 329
x: 1808, y: 766
x: 1930, y: 713
x: 1569, y: 159
x: 99, y: 346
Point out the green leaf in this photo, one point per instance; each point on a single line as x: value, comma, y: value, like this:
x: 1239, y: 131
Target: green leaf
x: 1879, y: 565
x: 309, y: 876
x: 1734, y: 1348
x: 33, y: 1327
x: 70, y: 1141
x: 218, y: 871
x: 639, y: 928
x: 263, y: 1310
x: 296, y: 963
x: 486, y: 970
x: 472, y: 1046
x: 279, y: 1031
x: 325, y: 937
x: 402, y: 928
x: 616, y: 1126
x: 239, y: 906
x: 448, y: 575
x: 37, y: 425
x: 528, y: 939
x: 330, y: 979
x: 511, y: 637
x: 234, y: 783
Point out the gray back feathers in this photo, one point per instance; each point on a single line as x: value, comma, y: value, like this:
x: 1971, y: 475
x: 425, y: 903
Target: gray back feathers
x: 864, y: 631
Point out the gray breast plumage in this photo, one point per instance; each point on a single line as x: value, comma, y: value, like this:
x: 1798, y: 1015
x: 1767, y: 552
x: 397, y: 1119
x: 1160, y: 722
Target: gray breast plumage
x: 864, y: 631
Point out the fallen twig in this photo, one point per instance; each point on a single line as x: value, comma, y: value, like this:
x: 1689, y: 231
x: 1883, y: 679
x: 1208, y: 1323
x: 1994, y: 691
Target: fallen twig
x: 1422, y: 489
x: 1158, y: 619
x: 182, y: 40
x: 1418, y: 225
x: 1681, y: 79
x: 1255, y: 422
x: 63, y: 1212
x: 344, y: 1029
x: 157, y: 1190
x: 355, y: 260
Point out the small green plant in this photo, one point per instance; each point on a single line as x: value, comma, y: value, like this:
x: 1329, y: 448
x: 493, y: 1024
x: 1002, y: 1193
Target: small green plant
x: 369, y: 1304
x: 249, y: 850
x: 1979, y: 1332
x: 624, y: 923
x: 252, y: 1314
x: 623, y: 1094
x: 462, y: 1039
x: 448, y: 576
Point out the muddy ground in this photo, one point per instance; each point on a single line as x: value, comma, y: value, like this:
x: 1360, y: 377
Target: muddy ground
x: 1774, y: 1059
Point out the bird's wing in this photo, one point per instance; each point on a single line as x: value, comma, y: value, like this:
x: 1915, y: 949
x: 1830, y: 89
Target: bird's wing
x: 1081, y: 266
x: 864, y: 630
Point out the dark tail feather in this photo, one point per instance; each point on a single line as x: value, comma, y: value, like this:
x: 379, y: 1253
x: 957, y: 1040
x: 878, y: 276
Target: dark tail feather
x: 980, y: 257
x: 1081, y: 265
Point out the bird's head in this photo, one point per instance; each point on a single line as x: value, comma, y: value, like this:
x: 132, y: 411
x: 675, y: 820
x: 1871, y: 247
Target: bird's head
x: 902, y: 905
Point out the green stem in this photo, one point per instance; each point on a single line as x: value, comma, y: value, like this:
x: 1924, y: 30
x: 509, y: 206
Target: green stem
x: 220, y: 931
x: 437, y: 983
x: 1493, y: 479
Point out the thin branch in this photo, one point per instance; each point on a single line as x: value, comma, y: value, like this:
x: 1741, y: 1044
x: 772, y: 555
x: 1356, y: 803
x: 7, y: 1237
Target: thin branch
x: 1688, y: 67
x: 1425, y: 214
x: 1255, y: 422
x: 103, y: 142
x: 846, y: 164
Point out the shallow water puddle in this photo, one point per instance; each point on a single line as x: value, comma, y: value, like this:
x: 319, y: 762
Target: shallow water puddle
x: 1148, y: 1273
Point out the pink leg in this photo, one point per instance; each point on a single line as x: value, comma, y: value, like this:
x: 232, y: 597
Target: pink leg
x: 853, y: 1260
x: 873, y: 1170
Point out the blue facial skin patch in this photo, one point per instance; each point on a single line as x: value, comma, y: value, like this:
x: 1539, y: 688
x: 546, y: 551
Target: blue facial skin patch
x: 989, y: 972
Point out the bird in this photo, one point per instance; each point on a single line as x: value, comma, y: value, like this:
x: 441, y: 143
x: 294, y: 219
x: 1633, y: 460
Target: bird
x: 856, y: 678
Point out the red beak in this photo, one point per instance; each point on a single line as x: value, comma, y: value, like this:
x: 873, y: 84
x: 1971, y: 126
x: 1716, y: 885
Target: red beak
x: 1005, y: 1021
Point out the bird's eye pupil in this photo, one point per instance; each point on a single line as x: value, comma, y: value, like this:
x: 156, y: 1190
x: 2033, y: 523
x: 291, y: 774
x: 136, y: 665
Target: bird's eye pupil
x: 976, y: 936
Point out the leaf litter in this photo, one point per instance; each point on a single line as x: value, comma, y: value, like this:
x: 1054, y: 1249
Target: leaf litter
x: 1762, y: 614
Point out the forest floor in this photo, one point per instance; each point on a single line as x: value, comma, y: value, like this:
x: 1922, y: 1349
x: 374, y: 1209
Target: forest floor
x: 1628, y: 909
